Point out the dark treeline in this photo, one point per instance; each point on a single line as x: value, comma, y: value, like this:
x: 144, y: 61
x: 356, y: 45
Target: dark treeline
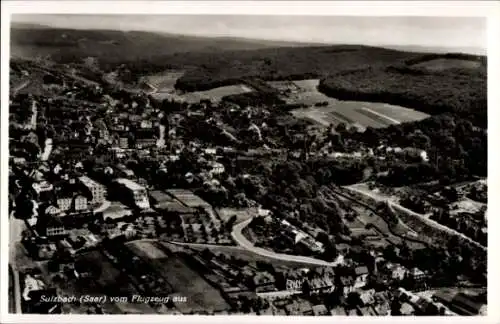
x: 458, y: 91
x: 457, y: 149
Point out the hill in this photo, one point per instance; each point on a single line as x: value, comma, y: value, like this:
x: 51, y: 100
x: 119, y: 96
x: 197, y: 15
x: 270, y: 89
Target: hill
x: 67, y: 45
x: 431, y: 83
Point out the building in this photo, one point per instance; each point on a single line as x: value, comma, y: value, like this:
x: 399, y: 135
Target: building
x: 299, y: 308
x: 217, y: 168
x: 64, y: 203
x: 361, y: 274
x: 98, y: 191
x: 123, y: 143
x: 338, y: 311
x: 50, y: 226
x: 138, y: 193
x: 42, y: 186
x: 320, y: 310
x: 347, y: 282
x: 264, y: 281
x: 419, y: 278
x: 146, y: 123
x: 145, y: 142
x: 80, y: 203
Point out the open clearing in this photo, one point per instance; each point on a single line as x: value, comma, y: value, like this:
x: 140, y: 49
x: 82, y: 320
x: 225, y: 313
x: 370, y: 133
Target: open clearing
x: 357, y: 113
x: 147, y: 249
x: 448, y: 63
x: 165, y: 81
x: 215, y: 94
x: 239, y: 253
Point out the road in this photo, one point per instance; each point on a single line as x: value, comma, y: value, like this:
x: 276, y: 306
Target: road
x: 238, y: 236
x: 16, y: 227
x: 400, y: 209
x: 105, y: 205
x: 20, y: 87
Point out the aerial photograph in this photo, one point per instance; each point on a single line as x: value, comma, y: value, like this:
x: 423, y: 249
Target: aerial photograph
x: 247, y: 165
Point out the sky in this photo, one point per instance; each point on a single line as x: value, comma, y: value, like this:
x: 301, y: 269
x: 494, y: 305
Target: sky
x: 450, y: 32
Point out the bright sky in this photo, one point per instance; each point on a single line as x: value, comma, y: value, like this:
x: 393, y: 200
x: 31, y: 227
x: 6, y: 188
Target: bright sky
x: 456, y: 32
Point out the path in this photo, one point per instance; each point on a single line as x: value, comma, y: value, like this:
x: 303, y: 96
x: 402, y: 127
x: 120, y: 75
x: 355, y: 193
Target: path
x: 20, y: 87
x: 16, y: 227
x: 246, y: 244
x: 105, y: 205
x: 400, y: 209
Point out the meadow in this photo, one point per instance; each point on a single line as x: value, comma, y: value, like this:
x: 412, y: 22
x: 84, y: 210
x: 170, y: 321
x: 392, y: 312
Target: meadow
x: 356, y: 113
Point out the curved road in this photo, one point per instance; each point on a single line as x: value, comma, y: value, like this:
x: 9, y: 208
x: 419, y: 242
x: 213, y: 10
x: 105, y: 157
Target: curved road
x: 238, y: 236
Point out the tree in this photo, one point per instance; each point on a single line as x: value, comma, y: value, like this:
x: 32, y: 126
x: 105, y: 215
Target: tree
x: 341, y: 128
x: 354, y: 299
x: 306, y: 288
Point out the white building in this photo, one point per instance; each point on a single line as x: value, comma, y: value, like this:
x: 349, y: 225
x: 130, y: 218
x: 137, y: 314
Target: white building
x: 98, y: 191
x: 139, y: 193
x: 217, y: 168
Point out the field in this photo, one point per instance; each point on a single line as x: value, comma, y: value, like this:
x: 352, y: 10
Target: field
x: 163, y: 82
x: 146, y: 249
x: 356, y: 113
x: 185, y: 281
x: 448, y: 63
x: 215, y: 94
x: 238, y: 253
x: 188, y: 198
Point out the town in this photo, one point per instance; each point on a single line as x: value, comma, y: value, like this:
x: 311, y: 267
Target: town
x: 231, y: 205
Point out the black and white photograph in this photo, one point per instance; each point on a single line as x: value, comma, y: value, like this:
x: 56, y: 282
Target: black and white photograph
x: 245, y: 164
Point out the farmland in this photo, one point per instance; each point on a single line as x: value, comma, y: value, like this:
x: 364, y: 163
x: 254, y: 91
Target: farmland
x: 237, y: 252
x: 183, y: 280
x: 360, y: 114
x: 215, y: 94
x: 164, y: 82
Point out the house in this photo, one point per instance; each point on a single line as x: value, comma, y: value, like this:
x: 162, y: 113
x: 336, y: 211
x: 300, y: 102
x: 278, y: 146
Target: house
x: 146, y: 123
x: 321, y: 284
x: 50, y: 226
x: 365, y: 311
x: 407, y: 309
x: 210, y: 151
x: 320, y: 310
x: 367, y: 296
x: 299, y: 308
x: 264, y: 281
x: 347, y: 283
x: 80, y: 202
x: 398, y: 272
x: 419, y: 278
x: 338, y: 311
x: 42, y: 186
x: 361, y: 275
x: 123, y: 143
x: 352, y: 312
x: 97, y: 190
x: 217, y: 168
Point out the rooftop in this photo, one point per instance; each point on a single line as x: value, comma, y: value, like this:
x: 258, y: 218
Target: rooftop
x: 130, y: 184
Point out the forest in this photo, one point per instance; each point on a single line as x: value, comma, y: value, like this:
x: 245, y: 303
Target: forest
x: 454, y: 90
